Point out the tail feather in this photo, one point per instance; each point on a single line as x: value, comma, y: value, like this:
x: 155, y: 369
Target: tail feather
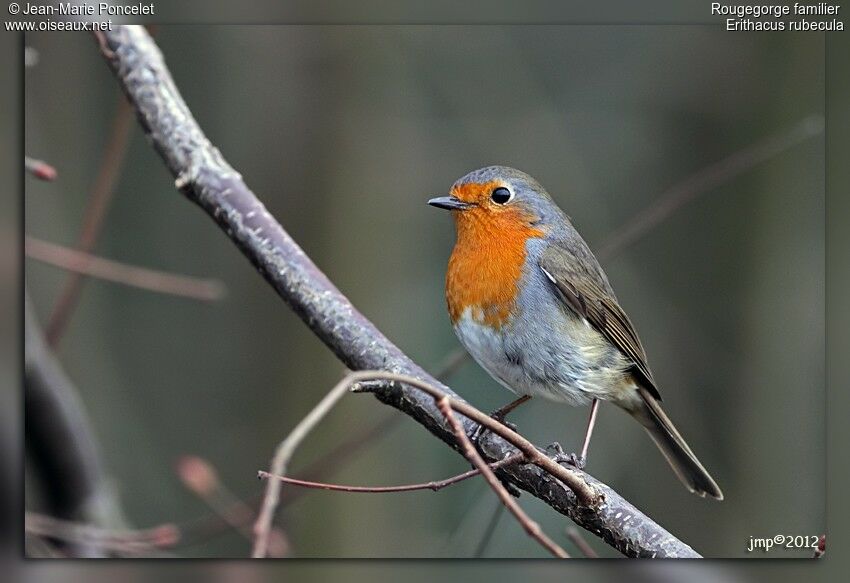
x: 680, y: 457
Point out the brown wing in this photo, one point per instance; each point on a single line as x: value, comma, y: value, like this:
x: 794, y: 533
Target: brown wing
x: 584, y: 292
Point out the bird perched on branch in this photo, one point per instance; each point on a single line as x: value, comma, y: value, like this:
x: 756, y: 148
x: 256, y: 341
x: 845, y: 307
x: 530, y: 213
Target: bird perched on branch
x: 529, y: 301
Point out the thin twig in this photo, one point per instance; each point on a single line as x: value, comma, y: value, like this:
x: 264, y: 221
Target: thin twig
x: 134, y: 541
x: 353, y: 443
x: 40, y: 169
x: 200, y: 478
x: 282, y: 456
x: 575, y: 536
x: 98, y: 204
x: 433, y: 485
x: 205, y: 290
x: 532, y: 528
x: 707, y: 179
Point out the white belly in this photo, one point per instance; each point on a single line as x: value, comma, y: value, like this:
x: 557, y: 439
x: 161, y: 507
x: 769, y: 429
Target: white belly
x: 562, y: 365
x: 487, y: 348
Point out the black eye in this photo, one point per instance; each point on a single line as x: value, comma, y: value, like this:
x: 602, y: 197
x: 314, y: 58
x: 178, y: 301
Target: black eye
x: 501, y: 195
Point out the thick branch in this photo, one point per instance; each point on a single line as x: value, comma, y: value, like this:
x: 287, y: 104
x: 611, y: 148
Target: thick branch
x: 204, y: 177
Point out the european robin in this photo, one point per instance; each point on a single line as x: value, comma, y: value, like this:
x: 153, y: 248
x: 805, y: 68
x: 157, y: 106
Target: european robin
x: 529, y: 301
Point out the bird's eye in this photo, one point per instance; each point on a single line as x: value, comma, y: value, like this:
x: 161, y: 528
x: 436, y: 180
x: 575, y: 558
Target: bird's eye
x: 501, y: 195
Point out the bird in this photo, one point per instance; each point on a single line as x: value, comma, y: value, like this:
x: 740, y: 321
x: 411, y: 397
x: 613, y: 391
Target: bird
x: 531, y: 304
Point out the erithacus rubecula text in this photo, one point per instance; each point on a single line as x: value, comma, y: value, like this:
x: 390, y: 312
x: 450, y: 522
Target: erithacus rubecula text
x: 529, y: 301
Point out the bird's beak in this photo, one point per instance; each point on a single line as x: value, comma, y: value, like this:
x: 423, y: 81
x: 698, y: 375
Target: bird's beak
x: 449, y: 203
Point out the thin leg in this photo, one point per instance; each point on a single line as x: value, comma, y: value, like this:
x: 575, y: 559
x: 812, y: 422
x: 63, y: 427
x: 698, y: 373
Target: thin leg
x: 499, y: 415
x: 502, y: 412
x: 590, y: 423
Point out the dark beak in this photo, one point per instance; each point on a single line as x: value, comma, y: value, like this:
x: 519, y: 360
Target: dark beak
x: 449, y: 203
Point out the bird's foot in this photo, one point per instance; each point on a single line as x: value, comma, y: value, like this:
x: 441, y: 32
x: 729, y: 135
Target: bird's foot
x: 497, y: 415
x: 571, y: 458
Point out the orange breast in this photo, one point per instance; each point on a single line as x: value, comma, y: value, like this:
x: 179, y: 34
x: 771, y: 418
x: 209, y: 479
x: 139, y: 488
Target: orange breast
x: 486, y: 264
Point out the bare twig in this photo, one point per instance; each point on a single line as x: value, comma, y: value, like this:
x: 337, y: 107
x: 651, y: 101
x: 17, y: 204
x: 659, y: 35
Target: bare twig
x: 206, y: 290
x: 357, y: 441
x: 98, y: 204
x: 707, y: 179
x: 532, y: 528
x: 281, y: 459
x: 40, y: 169
x: 204, y: 177
x: 200, y: 478
x: 575, y: 536
x: 128, y: 541
x: 433, y: 485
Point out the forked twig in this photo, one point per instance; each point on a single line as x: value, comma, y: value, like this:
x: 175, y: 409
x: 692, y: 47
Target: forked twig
x: 583, y: 491
x: 281, y: 458
x: 531, y: 527
x: 572, y: 478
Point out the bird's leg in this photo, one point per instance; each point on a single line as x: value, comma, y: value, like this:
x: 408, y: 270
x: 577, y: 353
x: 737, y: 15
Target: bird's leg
x: 580, y: 460
x: 591, y: 421
x: 500, y: 414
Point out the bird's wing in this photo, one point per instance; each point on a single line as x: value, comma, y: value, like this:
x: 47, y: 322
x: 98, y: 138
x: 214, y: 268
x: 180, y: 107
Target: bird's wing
x: 585, y: 294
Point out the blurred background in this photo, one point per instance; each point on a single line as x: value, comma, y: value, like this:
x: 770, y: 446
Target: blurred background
x: 344, y: 132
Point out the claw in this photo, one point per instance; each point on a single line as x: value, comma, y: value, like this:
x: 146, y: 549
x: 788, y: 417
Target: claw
x: 556, y: 449
x: 476, y: 436
x: 479, y: 433
x: 561, y: 456
x: 576, y: 460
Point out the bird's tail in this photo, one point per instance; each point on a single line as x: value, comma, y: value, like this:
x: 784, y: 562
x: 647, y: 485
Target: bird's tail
x: 680, y: 457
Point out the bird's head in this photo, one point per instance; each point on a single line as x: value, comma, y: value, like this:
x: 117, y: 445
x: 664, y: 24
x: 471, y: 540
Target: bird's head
x: 499, y: 200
